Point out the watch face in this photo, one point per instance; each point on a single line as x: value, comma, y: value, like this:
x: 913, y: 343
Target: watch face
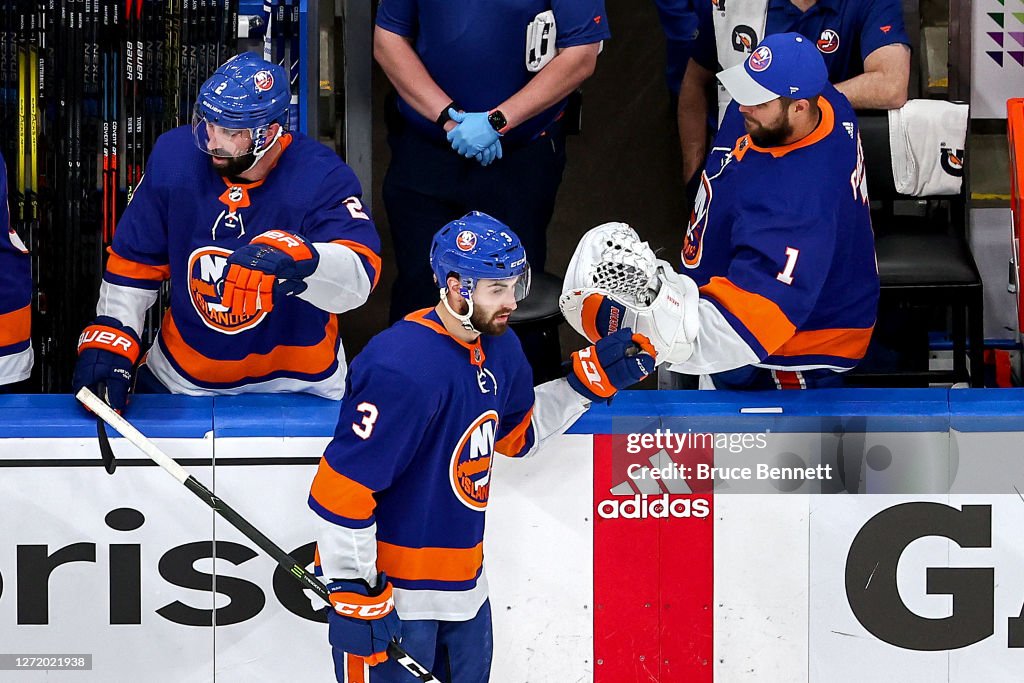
x: 497, y: 120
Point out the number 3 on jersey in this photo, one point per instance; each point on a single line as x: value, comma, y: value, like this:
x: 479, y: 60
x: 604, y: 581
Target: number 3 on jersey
x: 364, y: 428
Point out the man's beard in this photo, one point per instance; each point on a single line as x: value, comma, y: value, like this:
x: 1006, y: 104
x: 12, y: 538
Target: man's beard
x: 485, y: 323
x: 235, y: 166
x: 772, y: 137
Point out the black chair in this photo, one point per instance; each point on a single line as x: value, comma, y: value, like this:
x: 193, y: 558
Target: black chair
x: 536, y: 322
x: 923, y: 261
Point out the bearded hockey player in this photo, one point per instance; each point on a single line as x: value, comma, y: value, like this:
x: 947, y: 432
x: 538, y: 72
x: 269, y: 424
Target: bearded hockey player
x: 402, y: 488
x: 263, y: 237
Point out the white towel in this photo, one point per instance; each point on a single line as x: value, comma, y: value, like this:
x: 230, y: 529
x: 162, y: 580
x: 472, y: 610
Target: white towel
x: 927, y: 142
x: 739, y: 27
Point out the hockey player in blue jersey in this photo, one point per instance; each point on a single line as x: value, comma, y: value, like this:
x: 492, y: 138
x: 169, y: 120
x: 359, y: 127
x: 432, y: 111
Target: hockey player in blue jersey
x: 15, y: 297
x: 402, y: 488
x: 779, y: 243
x: 263, y: 236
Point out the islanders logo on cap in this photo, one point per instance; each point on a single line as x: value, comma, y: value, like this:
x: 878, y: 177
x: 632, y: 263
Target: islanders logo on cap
x: 828, y: 42
x: 760, y: 59
x: 263, y: 80
x: 466, y: 240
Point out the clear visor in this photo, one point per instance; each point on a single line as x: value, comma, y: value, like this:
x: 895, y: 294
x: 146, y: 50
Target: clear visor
x: 223, y: 142
x: 496, y: 289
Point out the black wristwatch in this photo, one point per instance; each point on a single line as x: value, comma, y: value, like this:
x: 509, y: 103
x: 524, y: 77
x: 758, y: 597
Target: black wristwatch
x: 444, y: 117
x: 497, y: 120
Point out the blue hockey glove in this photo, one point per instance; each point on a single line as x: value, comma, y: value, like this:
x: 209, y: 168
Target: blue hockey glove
x: 614, y: 362
x: 364, y: 619
x: 489, y: 154
x: 107, y: 351
x: 273, y: 264
x: 473, y: 134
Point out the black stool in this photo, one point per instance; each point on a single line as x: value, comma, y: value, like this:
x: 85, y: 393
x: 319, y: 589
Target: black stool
x: 536, y: 322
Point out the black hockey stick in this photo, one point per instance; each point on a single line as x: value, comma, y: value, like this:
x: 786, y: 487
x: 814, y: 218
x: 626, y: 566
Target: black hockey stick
x: 106, y: 452
x: 286, y: 561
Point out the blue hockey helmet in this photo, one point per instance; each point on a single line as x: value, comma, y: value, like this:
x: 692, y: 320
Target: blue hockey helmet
x: 238, y: 103
x: 477, y: 247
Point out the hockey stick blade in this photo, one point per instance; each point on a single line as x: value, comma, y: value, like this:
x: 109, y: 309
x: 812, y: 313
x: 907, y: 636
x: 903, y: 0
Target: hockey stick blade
x: 286, y: 561
x: 106, y: 452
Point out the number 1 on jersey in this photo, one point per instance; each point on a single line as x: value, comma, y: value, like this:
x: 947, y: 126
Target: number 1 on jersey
x: 786, y: 276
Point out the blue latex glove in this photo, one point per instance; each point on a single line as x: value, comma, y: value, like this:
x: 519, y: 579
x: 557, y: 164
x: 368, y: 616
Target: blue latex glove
x: 273, y: 264
x: 489, y: 154
x: 615, y: 362
x: 473, y: 134
x: 364, y: 619
x: 107, y: 351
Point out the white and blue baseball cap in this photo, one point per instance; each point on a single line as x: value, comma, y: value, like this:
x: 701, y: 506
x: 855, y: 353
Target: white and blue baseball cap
x: 782, y: 65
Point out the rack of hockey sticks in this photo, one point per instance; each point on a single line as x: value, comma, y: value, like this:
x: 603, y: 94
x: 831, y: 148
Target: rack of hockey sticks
x: 88, y: 85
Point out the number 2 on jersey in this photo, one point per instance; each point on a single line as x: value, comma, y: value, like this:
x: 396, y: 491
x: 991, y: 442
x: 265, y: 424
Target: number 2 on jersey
x: 364, y: 428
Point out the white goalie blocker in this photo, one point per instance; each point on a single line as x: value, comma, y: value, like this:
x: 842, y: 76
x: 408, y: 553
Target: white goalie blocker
x: 614, y: 281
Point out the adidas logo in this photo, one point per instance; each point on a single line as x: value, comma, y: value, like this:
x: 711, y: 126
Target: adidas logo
x: 848, y: 125
x: 650, y: 491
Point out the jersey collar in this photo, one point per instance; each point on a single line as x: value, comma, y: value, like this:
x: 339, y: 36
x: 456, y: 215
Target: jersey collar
x: 428, y: 318
x: 825, y: 126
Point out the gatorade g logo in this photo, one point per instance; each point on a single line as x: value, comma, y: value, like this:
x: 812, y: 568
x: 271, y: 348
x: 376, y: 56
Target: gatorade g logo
x: 828, y: 42
x: 693, y: 243
x: 744, y: 38
x: 953, y: 162
x: 263, y: 80
x: 470, y: 471
x: 760, y: 59
x: 718, y: 5
x: 207, y: 267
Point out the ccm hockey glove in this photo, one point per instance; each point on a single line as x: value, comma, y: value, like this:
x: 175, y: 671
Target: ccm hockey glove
x: 614, y: 362
x: 107, y: 351
x: 273, y: 264
x: 364, y: 619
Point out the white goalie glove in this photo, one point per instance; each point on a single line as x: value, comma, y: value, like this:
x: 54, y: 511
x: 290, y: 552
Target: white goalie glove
x: 614, y: 281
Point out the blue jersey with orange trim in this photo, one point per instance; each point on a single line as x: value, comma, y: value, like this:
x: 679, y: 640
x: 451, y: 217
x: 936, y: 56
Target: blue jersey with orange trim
x: 475, y: 49
x: 422, y: 418
x: 183, y: 222
x: 15, y: 296
x: 780, y: 244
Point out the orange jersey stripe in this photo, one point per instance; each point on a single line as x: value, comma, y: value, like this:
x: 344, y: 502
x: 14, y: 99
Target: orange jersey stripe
x: 848, y: 343
x: 341, y: 495
x: 16, y: 326
x: 296, y: 359
x: 514, y: 441
x: 760, y: 315
x: 434, y: 564
x: 366, y: 253
x: 118, y: 265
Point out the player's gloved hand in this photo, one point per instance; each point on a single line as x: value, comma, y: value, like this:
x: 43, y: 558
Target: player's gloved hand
x: 473, y: 134
x: 614, y: 362
x: 364, y: 619
x: 489, y: 154
x: 273, y: 264
x: 107, y: 351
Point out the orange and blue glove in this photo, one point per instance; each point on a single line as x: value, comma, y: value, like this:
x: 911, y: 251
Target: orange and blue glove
x: 107, y: 351
x: 614, y: 362
x: 364, y: 619
x: 272, y: 265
